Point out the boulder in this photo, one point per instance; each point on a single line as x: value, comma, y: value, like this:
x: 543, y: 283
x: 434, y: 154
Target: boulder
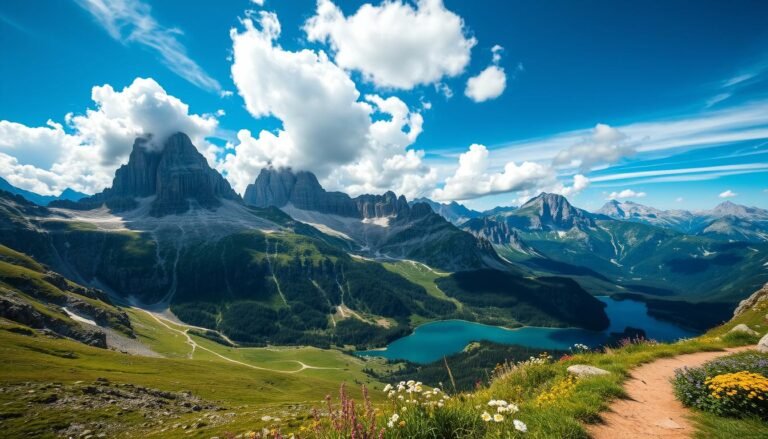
x: 741, y: 327
x: 762, y: 345
x: 583, y: 370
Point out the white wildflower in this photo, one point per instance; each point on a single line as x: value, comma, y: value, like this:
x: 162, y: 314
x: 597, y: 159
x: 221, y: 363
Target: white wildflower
x: 520, y: 426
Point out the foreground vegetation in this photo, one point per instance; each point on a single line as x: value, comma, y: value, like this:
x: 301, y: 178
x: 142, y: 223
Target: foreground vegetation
x: 534, y: 398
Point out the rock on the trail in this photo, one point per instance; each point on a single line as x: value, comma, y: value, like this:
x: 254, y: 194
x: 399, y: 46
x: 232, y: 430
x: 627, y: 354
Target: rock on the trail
x: 583, y: 370
x: 741, y: 327
x: 762, y: 345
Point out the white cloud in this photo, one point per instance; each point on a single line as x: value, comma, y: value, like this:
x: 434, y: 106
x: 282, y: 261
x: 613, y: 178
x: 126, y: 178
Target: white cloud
x: 100, y: 140
x: 395, y: 45
x: 258, y: 2
x: 716, y: 99
x: 316, y: 101
x: 327, y: 128
x: 491, y: 82
x: 580, y: 182
x: 604, y: 145
x: 496, y: 53
x: 728, y: 194
x: 444, y: 89
x: 472, y: 179
x: 626, y: 193
x: 129, y: 21
x: 685, y: 172
x: 679, y: 199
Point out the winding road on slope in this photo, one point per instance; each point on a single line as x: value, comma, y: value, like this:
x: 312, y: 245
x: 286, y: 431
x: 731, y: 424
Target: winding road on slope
x: 651, y: 409
x: 196, y: 346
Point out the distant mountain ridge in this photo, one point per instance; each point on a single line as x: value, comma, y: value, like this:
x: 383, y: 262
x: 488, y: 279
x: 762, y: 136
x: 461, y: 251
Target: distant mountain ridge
x: 453, y: 211
x: 726, y: 221
x: 41, y: 200
x: 381, y: 225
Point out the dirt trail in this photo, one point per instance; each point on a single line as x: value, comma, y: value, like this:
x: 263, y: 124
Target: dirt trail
x: 195, y: 346
x: 651, y: 410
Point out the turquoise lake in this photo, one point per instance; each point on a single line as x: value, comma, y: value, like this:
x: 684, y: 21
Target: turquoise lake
x: 432, y: 341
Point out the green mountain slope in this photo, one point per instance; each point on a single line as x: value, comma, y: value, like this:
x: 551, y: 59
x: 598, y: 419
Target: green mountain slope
x: 639, y: 257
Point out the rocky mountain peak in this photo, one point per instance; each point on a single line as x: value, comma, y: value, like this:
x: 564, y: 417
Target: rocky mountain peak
x: 177, y: 175
x: 730, y: 208
x: 378, y: 206
x: 613, y: 209
x: 553, y: 211
x: 282, y: 186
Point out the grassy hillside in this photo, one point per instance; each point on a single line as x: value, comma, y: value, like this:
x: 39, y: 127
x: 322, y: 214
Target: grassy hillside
x: 551, y: 404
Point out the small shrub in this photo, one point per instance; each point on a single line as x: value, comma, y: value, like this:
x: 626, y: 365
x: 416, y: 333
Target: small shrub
x: 740, y: 338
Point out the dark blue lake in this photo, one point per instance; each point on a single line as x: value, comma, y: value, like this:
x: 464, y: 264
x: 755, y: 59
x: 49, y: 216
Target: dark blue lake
x: 432, y: 341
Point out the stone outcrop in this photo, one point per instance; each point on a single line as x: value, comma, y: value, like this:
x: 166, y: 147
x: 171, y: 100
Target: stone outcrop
x: 14, y: 308
x: 177, y: 175
x: 762, y: 345
x: 752, y: 301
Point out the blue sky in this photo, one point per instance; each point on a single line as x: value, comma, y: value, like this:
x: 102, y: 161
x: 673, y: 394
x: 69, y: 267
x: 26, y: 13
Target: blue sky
x: 679, y: 88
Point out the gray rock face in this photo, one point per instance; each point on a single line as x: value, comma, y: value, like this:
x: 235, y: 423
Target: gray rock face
x: 377, y: 206
x: 177, y: 175
x: 583, y: 370
x: 743, y: 328
x: 762, y: 345
x: 279, y: 187
x: 752, y: 301
x: 15, y: 309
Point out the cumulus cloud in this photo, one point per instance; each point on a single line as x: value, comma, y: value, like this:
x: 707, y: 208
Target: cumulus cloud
x: 604, y: 145
x: 328, y: 127
x: 395, y: 44
x: 131, y: 21
x: 491, y: 82
x: 626, y: 193
x: 472, y: 179
x: 728, y: 194
x: 99, y: 140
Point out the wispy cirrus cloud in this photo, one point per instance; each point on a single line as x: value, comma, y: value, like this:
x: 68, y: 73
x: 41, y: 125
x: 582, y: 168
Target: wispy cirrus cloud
x: 131, y: 21
x: 734, y: 84
x: 659, y: 137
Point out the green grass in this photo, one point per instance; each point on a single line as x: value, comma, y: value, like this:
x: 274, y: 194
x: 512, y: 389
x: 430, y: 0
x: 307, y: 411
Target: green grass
x: 710, y: 426
x: 422, y: 275
x: 248, y: 392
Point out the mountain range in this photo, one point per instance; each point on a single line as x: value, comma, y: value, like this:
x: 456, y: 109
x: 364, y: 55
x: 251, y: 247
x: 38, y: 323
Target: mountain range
x: 727, y: 221
x: 42, y: 200
x: 290, y: 263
